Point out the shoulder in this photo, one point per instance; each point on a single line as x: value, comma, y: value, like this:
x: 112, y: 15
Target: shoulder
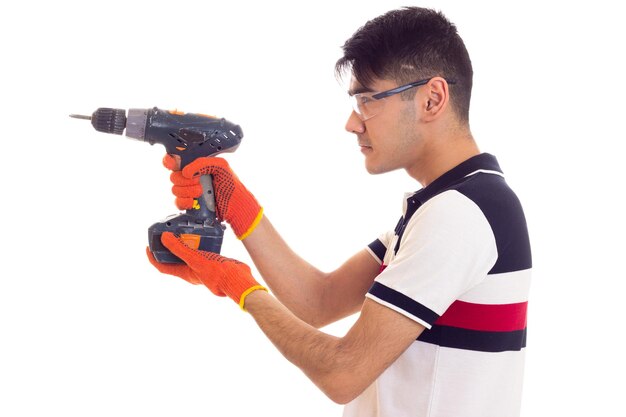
x: 504, y: 213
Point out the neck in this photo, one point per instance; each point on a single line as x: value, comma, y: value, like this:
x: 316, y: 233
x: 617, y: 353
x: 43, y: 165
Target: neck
x: 442, y: 154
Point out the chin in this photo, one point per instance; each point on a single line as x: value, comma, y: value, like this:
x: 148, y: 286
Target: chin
x: 375, y: 169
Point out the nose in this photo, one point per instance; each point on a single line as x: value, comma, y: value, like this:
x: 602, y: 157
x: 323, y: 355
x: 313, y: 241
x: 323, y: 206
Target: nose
x: 355, y: 124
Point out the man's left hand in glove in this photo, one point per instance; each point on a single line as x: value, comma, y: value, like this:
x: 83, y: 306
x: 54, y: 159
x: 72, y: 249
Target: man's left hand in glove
x: 223, y: 276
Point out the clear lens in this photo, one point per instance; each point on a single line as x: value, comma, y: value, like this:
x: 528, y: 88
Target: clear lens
x: 365, y: 106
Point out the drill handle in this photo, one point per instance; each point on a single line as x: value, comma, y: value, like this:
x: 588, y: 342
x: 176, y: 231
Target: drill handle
x: 205, y: 210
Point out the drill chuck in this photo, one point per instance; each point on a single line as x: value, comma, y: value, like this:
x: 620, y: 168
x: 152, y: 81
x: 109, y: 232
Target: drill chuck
x: 109, y: 120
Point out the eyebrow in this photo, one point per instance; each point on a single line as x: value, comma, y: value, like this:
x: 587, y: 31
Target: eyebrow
x: 359, y: 90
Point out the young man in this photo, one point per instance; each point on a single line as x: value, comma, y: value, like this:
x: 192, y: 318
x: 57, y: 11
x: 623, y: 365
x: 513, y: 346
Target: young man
x: 442, y: 298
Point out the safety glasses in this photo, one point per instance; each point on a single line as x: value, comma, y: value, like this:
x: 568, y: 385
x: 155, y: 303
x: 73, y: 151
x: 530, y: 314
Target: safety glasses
x: 368, y: 105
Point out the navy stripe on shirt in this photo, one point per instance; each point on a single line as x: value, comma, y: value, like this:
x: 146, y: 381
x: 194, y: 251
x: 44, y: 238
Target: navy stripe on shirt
x: 378, y: 248
x: 482, y: 341
x: 382, y: 292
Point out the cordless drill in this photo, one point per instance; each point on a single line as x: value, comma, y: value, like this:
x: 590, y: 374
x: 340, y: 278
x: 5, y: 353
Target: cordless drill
x: 189, y: 136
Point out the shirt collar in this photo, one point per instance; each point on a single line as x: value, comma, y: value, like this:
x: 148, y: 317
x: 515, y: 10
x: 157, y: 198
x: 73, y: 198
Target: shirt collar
x: 483, y: 162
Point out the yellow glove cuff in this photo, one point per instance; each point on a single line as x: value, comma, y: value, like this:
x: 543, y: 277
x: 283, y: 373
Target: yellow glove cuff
x: 253, y: 226
x: 242, y: 299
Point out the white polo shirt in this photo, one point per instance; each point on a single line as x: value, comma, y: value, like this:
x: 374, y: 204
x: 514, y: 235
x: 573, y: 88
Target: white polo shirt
x: 459, y: 263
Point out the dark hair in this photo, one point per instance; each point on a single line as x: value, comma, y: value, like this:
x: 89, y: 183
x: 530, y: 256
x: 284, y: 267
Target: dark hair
x: 409, y: 44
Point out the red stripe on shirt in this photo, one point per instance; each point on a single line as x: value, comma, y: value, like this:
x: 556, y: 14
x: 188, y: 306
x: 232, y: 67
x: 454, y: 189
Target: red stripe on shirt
x: 485, y: 317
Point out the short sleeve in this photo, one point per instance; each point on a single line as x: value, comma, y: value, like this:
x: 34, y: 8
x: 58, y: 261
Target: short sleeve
x: 447, y: 248
x: 378, y: 248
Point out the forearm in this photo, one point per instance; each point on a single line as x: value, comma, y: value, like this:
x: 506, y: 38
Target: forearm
x: 314, y: 296
x: 325, y: 359
x: 341, y: 367
x: 296, y: 283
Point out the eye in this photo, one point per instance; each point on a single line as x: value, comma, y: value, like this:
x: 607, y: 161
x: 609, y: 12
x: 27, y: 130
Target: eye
x: 365, y: 99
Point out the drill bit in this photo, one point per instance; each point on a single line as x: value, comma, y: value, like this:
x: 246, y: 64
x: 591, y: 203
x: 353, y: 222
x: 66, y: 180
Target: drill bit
x: 80, y: 116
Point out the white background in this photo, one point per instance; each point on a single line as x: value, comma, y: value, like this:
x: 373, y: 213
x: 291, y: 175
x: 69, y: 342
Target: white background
x: 88, y: 327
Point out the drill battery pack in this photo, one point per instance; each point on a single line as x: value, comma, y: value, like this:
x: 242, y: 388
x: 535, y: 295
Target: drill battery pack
x: 206, y: 235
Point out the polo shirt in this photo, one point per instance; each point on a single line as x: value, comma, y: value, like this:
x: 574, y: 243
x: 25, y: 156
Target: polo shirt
x: 459, y: 263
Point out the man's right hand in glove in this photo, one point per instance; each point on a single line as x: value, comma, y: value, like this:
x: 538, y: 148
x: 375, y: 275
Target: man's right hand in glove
x: 235, y: 204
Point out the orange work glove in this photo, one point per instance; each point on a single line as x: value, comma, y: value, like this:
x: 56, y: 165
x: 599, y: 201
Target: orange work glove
x: 235, y: 204
x: 223, y: 276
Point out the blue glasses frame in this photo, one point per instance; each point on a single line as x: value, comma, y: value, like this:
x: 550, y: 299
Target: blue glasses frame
x: 405, y: 87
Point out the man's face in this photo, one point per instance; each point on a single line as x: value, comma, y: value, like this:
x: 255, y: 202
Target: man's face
x: 391, y: 138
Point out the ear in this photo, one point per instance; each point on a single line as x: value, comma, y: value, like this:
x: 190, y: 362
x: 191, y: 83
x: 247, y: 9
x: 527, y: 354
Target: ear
x: 436, y: 96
